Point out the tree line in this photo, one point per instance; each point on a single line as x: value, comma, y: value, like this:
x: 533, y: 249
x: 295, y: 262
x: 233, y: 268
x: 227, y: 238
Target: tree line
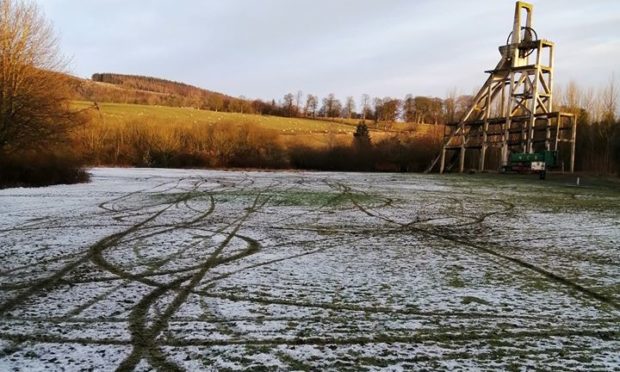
x: 410, y: 109
x: 154, y: 91
x: 598, y: 125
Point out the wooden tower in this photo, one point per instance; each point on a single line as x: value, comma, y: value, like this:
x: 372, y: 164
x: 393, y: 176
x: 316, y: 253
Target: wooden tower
x: 513, y: 111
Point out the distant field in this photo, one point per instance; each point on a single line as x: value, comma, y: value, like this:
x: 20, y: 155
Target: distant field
x: 117, y: 112
x: 312, y: 132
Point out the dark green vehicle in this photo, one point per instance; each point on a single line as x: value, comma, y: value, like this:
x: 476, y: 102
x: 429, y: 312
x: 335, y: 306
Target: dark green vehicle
x: 537, y: 162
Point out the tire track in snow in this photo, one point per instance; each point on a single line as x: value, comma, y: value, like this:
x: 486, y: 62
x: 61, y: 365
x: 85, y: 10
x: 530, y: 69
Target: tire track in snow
x: 54, y: 279
x: 144, y: 338
x: 444, y: 234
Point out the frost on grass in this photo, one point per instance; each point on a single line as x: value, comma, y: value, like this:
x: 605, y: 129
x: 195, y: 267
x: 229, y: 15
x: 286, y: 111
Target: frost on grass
x: 207, y: 270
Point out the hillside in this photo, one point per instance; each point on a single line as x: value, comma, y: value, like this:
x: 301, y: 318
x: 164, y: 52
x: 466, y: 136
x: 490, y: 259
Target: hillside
x: 152, y: 84
x: 150, y: 91
x: 118, y: 88
x: 159, y: 136
x: 311, y: 132
x: 115, y: 113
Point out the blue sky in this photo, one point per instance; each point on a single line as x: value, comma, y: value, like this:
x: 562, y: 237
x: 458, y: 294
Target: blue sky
x: 266, y: 48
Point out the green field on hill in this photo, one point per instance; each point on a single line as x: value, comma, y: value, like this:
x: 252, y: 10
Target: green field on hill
x: 117, y: 113
x: 316, y: 133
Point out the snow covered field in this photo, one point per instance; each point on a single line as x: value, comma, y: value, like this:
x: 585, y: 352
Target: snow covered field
x: 195, y: 270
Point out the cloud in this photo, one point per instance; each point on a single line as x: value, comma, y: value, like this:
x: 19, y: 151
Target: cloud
x: 385, y: 48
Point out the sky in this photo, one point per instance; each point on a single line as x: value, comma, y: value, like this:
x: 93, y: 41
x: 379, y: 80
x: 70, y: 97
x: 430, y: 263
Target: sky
x: 267, y: 48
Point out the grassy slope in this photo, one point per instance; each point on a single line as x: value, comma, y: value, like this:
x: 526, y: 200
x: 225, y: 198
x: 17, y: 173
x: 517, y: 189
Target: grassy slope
x: 310, y: 132
x: 117, y: 112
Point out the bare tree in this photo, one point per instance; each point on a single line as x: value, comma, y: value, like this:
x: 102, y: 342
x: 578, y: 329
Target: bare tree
x: 409, y: 109
x: 365, y: 105
x: 331, y: 106
x: 390, y: 109
x: 609, y: 105
x: 349, y: 107
x: 463, y: 103
x: 609, y: 101
x: 312, y: 103
x: 34, y: 95
x: 571, y: 97
x: 288, y: 105
x: 378, y: 109
x: 588, y: 101
x: 450, y: 106
x: 298, y: 100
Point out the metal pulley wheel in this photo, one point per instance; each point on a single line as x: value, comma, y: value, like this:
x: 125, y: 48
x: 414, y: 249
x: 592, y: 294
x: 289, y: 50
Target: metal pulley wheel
x: 528, y: 35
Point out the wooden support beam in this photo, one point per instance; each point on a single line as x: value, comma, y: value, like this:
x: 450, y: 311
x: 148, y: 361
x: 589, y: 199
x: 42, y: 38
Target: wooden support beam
x: 573, y: 143
x: 483, y: 150
x: 521, y: 89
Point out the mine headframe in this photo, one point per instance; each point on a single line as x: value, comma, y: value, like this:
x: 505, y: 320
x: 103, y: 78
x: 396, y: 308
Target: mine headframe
x: 513, y: 111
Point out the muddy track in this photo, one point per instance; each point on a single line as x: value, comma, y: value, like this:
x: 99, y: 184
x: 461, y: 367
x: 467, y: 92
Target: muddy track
x: 395, y: 314
x: 446, y: 234
x: 345, y: 341
x: 98, y: 259
x: 546, y: 273
x: 373, y: 309
x: 409, y: 339
x: 95, y: 255
x: 104, y: 205
x: 182, y: 273
x: 23, y: 267
x: 95, y: 251
x: 56, y: 277
x: 143, y: 338
x: 252, y: 248
x: 498, y: 354
x: 78, y: 310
